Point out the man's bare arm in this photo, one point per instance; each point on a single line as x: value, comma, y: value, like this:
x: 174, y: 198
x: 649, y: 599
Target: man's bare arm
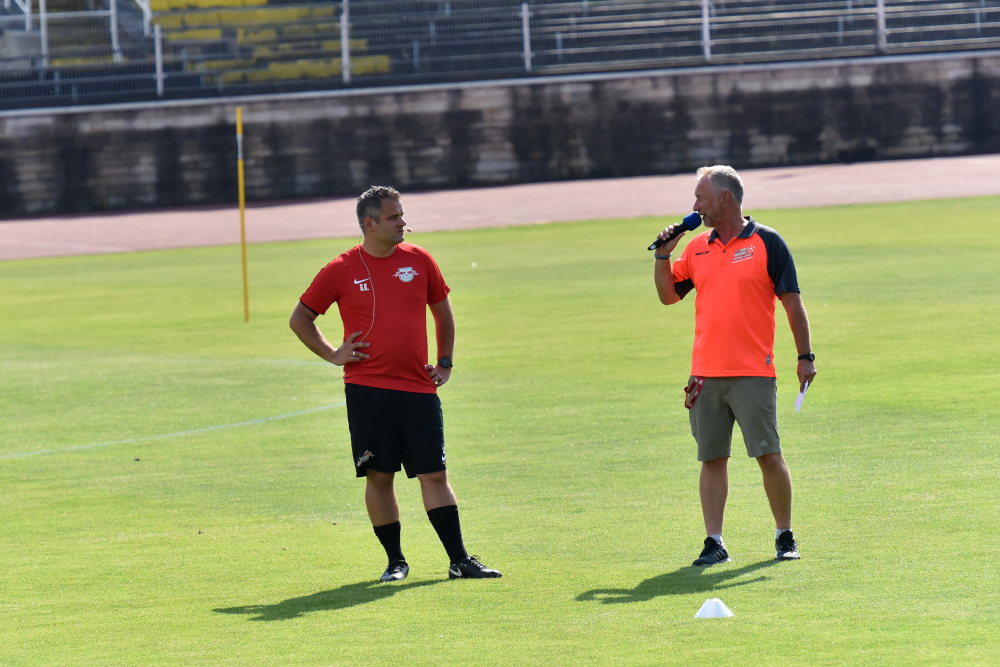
x: 798, y: 321
x: 444, y: 327
x: 663, y: 277
x: 303, y: 323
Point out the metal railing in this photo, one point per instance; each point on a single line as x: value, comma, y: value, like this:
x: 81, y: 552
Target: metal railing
x: 128, y: 51
x: 69, y: 56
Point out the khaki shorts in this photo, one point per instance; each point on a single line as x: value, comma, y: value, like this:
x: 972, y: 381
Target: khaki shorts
x: 749, y: 401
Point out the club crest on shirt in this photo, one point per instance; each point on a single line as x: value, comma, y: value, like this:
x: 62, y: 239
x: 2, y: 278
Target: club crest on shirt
x: 743, y: 254
x: 405, y: 273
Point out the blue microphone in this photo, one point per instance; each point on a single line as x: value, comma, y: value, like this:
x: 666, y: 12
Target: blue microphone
x: 690, y: 221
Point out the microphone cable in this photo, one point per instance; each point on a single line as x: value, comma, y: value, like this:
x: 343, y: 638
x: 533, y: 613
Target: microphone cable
x: 361, y: 254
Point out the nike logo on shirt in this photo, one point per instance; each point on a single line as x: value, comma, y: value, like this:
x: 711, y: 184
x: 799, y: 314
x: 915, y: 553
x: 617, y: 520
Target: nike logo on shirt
x: 358, y: 282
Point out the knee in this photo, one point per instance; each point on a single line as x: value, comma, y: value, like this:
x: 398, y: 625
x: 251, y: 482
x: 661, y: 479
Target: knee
x: 434, y: 479
x: 773, y: 461
x: 381, y: 481
x: 715, y: 465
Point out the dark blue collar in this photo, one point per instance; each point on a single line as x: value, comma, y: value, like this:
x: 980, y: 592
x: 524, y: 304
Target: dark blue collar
x: 747, y: 232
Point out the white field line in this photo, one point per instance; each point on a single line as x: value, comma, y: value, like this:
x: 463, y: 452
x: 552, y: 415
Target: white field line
x: 178, y: 434
x: 166, y: 361
x: 84, y: 247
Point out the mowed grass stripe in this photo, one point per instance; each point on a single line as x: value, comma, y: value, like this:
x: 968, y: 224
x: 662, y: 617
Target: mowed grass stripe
x: 181, y: 434
x: 568, y: 446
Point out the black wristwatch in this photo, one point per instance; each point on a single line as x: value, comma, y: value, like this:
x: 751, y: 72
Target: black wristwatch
x: 445, y: 362
x: 808, y: 356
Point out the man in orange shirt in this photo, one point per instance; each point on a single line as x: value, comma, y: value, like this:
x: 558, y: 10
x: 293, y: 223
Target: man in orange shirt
x: 383, y: 288
x: 738, y: 269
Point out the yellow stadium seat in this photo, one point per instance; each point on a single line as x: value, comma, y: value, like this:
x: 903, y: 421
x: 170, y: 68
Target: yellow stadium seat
x: 200, y: 34
x: 249, y: 41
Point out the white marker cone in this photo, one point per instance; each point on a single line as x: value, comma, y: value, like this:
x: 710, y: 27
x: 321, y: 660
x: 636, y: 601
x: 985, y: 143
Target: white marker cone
x: 713, y: 608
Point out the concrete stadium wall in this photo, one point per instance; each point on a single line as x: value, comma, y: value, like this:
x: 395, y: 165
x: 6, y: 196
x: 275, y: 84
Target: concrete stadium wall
x: 446, y: 136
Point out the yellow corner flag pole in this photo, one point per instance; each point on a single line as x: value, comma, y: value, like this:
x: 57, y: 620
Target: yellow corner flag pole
x: 243, y: 227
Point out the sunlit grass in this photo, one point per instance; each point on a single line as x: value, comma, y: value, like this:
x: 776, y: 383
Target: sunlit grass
x: 568, y: 447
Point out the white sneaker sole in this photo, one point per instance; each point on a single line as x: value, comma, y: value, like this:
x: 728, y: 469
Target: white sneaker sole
x: 398, y: 576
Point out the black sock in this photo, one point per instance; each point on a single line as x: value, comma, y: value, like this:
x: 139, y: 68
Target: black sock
x: 445, y: 522
x: 388, y: 535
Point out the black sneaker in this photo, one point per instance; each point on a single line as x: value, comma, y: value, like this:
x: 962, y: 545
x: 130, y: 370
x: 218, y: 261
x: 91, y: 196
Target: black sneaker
x: 472, y: 568
x: 785, y: 547
x: 712, y: 553
x: 397, y: 571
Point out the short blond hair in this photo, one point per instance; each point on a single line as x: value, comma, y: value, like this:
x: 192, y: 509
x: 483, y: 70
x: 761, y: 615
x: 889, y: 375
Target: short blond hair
x: 723, y: 177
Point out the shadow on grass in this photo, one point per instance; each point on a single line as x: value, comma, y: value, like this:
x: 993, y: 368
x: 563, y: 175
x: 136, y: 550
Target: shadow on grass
x: 349, y: 595
x: 684, y: 581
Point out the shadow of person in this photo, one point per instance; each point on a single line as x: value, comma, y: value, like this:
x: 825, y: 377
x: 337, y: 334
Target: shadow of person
x: 684, y: 581
x: 348, y: 595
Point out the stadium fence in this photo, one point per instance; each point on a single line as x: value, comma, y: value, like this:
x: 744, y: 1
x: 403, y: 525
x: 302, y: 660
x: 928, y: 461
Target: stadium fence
x: 97, y: 51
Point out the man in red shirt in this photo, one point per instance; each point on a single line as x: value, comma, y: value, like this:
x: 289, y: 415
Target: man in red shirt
x: 382, y: 289
x: 739, y: 269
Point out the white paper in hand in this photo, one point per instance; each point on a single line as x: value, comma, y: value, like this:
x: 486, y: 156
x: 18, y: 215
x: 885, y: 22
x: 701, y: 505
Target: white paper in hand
x: 802, y: 396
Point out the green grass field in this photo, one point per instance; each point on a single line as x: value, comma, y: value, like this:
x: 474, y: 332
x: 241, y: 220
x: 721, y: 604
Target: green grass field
x: 247, y: 543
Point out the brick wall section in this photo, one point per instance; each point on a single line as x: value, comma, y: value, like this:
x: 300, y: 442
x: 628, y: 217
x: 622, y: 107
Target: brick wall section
x: 510, y: 132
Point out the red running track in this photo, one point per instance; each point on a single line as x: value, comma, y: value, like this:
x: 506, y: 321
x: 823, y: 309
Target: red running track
x: 789, y: 187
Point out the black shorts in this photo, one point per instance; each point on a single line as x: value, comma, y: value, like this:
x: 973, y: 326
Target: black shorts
x: 391, y: 427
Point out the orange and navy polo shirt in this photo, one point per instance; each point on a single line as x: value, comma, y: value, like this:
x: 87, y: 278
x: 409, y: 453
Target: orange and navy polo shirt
x: 737, y: 285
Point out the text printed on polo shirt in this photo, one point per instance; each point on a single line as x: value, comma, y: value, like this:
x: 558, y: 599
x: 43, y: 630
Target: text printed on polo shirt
x: 703, y: 252
x: 743, y: 254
